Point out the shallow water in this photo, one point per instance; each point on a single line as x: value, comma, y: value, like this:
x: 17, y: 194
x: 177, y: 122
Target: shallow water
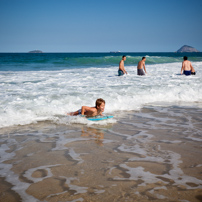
x: 31, y: 96
x: 153, y: 154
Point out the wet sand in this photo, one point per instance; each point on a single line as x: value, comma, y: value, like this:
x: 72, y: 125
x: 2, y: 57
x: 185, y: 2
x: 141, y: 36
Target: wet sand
x: 150, y: 155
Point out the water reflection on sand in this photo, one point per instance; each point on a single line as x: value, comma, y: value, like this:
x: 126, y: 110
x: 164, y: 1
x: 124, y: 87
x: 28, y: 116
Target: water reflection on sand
x: 154, y: 154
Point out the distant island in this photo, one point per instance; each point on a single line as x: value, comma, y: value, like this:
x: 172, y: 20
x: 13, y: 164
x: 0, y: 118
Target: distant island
x: 35, y: 51
x: 187, y: 49
x: 115, y: 51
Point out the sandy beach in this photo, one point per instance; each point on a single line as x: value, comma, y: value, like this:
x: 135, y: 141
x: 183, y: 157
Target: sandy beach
x: 57, y: 59
x: 150, y: 155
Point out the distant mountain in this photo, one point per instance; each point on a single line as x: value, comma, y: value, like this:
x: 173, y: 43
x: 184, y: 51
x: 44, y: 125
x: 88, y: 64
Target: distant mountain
x: 35, y: 51
x: 187, y: 49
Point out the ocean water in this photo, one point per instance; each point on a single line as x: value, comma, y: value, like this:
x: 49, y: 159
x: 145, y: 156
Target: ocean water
x: 144, y: 153
x: 45, y: 87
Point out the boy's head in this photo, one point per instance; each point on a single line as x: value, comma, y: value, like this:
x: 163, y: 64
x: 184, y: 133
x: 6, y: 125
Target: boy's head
x: 123, y: 57
x: 143, y: 58
x: 100, y: 104
x: 185, y: 57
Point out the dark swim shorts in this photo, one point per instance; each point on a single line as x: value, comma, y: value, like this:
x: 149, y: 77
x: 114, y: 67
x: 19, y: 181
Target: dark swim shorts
x: 120, y: 73
x: 140, y: 72
x: 187, y: 73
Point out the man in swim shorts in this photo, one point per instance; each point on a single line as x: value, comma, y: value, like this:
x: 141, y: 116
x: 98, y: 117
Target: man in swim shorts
x: 187, y: 67
x: 122, y: 70
x: 140, y: 66
x: 91, y: 111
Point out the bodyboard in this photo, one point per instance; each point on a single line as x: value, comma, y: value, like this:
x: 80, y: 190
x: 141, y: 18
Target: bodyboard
x: 99, y: 118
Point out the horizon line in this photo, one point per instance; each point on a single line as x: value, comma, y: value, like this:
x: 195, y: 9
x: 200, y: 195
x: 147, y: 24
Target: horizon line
x: 113, y: 52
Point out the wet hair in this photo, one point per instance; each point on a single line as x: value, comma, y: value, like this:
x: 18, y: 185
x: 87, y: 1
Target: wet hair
x: 99, y: 102
x: 143, y: 58
x: 123, y: 56
x: 185, y: 57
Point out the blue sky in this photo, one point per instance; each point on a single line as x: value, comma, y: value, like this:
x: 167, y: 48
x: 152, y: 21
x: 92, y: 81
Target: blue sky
x: 100, y: 26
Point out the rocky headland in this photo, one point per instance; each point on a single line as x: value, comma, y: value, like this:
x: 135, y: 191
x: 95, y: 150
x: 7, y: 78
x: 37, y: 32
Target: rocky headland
x: 187, y: 49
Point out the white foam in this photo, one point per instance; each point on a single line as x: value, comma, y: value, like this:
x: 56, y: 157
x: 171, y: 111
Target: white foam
x: 5, y: 171
x: 132, y: 149
x: 98, y: 191
x: 171, y: 142
x: 75, y: 156
x: 29, y: 97
x: 83, y: 120
x: 78, y: 189
x: 175, y: 174
x: 194, y: 139
x: 77, y: 200
x: 157, y: 195
x: 28, y: 173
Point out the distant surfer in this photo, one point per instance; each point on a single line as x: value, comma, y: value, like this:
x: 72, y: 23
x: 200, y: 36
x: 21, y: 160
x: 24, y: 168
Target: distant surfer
x: 122, y: 70
x: 91, y: 111
x: 187, y: 67
x: 140, y: 66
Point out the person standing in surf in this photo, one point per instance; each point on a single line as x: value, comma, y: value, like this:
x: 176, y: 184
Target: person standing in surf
x: 122, y: 70
x: 187, y: 67
x: 140, y: 66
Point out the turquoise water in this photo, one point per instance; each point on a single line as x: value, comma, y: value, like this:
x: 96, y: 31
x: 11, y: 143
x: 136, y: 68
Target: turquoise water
x: 60, y: 61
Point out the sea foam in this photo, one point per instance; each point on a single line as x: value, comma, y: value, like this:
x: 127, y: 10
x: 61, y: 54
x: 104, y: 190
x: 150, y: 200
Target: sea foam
x: 33, y: 96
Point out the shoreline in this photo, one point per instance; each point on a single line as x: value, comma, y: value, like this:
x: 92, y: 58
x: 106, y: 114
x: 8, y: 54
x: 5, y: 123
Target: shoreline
x: 149, y: 155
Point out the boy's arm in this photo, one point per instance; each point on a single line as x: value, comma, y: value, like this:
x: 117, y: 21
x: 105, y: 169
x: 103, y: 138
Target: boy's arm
x: 182, y: 68
x: 192, y: 69
x: 85, y: 109
x: 145, y: 68
x: 124, y: 71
